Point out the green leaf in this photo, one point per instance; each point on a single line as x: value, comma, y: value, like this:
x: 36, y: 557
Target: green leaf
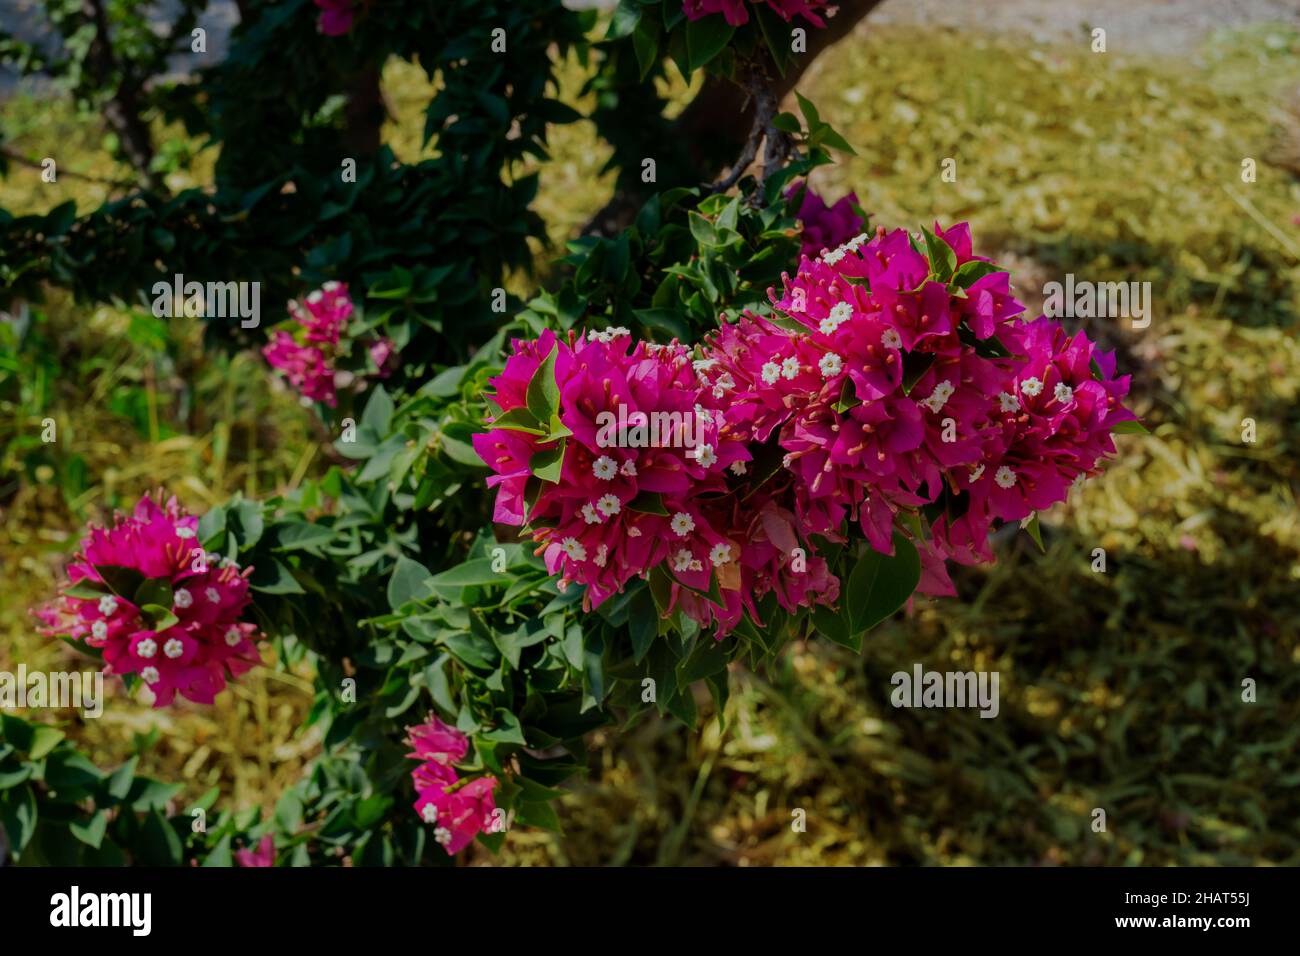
x: 156, y: 592
x: 274, y: 577
x: 705, y: 39
x: 123, y: 582
x: 809, y: 111
x: 787, y: 123
x: 648, y: 503
x: 378, y: 414
x: 915, y: 365
x: 159, y: 617
x: 971, y: 272
x: 18, y: 814
x: 543, y: 396
x: 468, y: 574
x: 548, y: 463
x: 86, y: 589
x: 1035, y: 531
x: 44, y: 739
x: 879, y: 584
x: 645, y: 41
x: 410, y: 581
x: 943, y: 260
x: 1131, y: 427
x: 520, y: 420
x: 92, y: 832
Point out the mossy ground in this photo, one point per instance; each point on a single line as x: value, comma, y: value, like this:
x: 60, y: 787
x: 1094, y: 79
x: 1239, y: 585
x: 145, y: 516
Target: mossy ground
x: 1119, y: 691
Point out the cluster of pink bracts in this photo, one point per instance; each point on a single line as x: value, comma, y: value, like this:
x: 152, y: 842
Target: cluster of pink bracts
x: 197, y: 643
x: 737, y: 14
x: 874, y: 390
x: 308, y: 358
x: 458, y: 812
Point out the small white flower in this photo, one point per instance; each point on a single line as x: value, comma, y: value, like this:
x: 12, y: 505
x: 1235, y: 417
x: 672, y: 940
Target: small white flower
x: 720, y: 554
x: 1063, y: 393
x: 99, y: 629
x: 1008, y: 402
x: 330, y: 286
x: 634, y: 532
x: 695, y: 565
x: 703, y: 415
x: 738, y: 468
x: 562, y: 585
x: 589, y: 514
x: 1031, y: 386
x: 789, y: 367
x: 602, y: 555
x: 833, y: 256
x: 604, y: 468
x: 442, y: 836
x: 186, y: 533
x: 213, y: 595
x: 628, y: 469
x: 839, y: 314
x: 703, y: 365
x: 939, y: 397
x: 233, y: 636
x: 146, y: 648
x: 977, y: 473
x: 682, y: 524
x: 890, y: 339
x: 1005, y: 477
x: 314, y: 297
x: 150, y: 675
x: 574, y: 549
x: 174, y: 648
x: 615, y: 331
x: 771, y: 372
x: 429, y: 814
x: 830, y: 365
x: 705, y: 456
x: 609, y: 505
x: 725, y: 382
x: 682, y: 560
x: 108, y: 605
x: 182, y: 598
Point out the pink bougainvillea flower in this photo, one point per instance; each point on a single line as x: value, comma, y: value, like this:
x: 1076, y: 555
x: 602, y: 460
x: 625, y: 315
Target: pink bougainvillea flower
x: 825, y: 227
x: 887, y: 391
x: 457, y: 811
x: 189, y: 644
x: 308, y: 357
x: 335, y: 16
x: 737, y: 14
x: 261, y: 855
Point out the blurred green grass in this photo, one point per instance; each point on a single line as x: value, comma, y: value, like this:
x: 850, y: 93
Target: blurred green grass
x: 1119, y: 690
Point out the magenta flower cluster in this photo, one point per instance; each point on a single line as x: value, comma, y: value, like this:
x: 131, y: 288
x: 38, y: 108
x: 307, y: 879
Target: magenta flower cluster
x: 192, y: 642
x: 308, y: 357
x: 893, y: 375
x: 737, y: 12
x: 825, y: 227
x: 335, y: 16
x: 457, y: 811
